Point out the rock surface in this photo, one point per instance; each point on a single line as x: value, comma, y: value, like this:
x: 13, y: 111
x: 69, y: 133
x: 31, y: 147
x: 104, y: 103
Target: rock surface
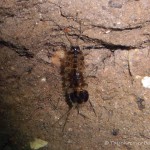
x: 115, y: 38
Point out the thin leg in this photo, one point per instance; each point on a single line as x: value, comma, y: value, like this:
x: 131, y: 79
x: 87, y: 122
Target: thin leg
x: 67, y: 113
x: 80, y: 34
x: 92, y: 107
x: 93, y: 73
x: 79, y: 112
x: 71, y: 43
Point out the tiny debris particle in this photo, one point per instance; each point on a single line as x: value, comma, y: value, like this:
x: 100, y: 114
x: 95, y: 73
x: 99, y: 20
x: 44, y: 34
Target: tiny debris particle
x: 114, y: 4
x: 108, y: 31
x: 40, y: 15
x: 69, y: 141
x: 146, y: 82
x: 137, y: 77
x: 70, y: 129
x: 115, y: 132
x: 38, y: 143
x: 12, y: 68
x: 56, y: 118
x: 141, y: 103
x: 43, y: 79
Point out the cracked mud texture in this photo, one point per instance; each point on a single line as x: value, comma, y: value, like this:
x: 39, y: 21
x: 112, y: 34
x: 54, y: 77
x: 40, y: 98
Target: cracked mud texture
x: 115, y: 38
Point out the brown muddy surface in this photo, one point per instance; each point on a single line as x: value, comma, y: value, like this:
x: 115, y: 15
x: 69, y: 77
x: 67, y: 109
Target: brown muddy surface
x: 114, y: 36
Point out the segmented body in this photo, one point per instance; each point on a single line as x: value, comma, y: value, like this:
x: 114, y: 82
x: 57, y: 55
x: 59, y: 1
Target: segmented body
x: 74, y: 79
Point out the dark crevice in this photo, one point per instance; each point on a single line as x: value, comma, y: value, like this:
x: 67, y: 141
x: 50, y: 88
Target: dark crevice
x: 137, y: 26
x: 114, y: 47
x: 98, y: 43
x: 129, y: 69
x: 93, y: 47
x: 6, y: 12
x: 104, y: 44
x: 21, y: 50
x: 117, y: 29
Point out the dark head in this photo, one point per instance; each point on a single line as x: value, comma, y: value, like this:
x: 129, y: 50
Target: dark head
x: 78, y: 97
x: 75, y: 48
